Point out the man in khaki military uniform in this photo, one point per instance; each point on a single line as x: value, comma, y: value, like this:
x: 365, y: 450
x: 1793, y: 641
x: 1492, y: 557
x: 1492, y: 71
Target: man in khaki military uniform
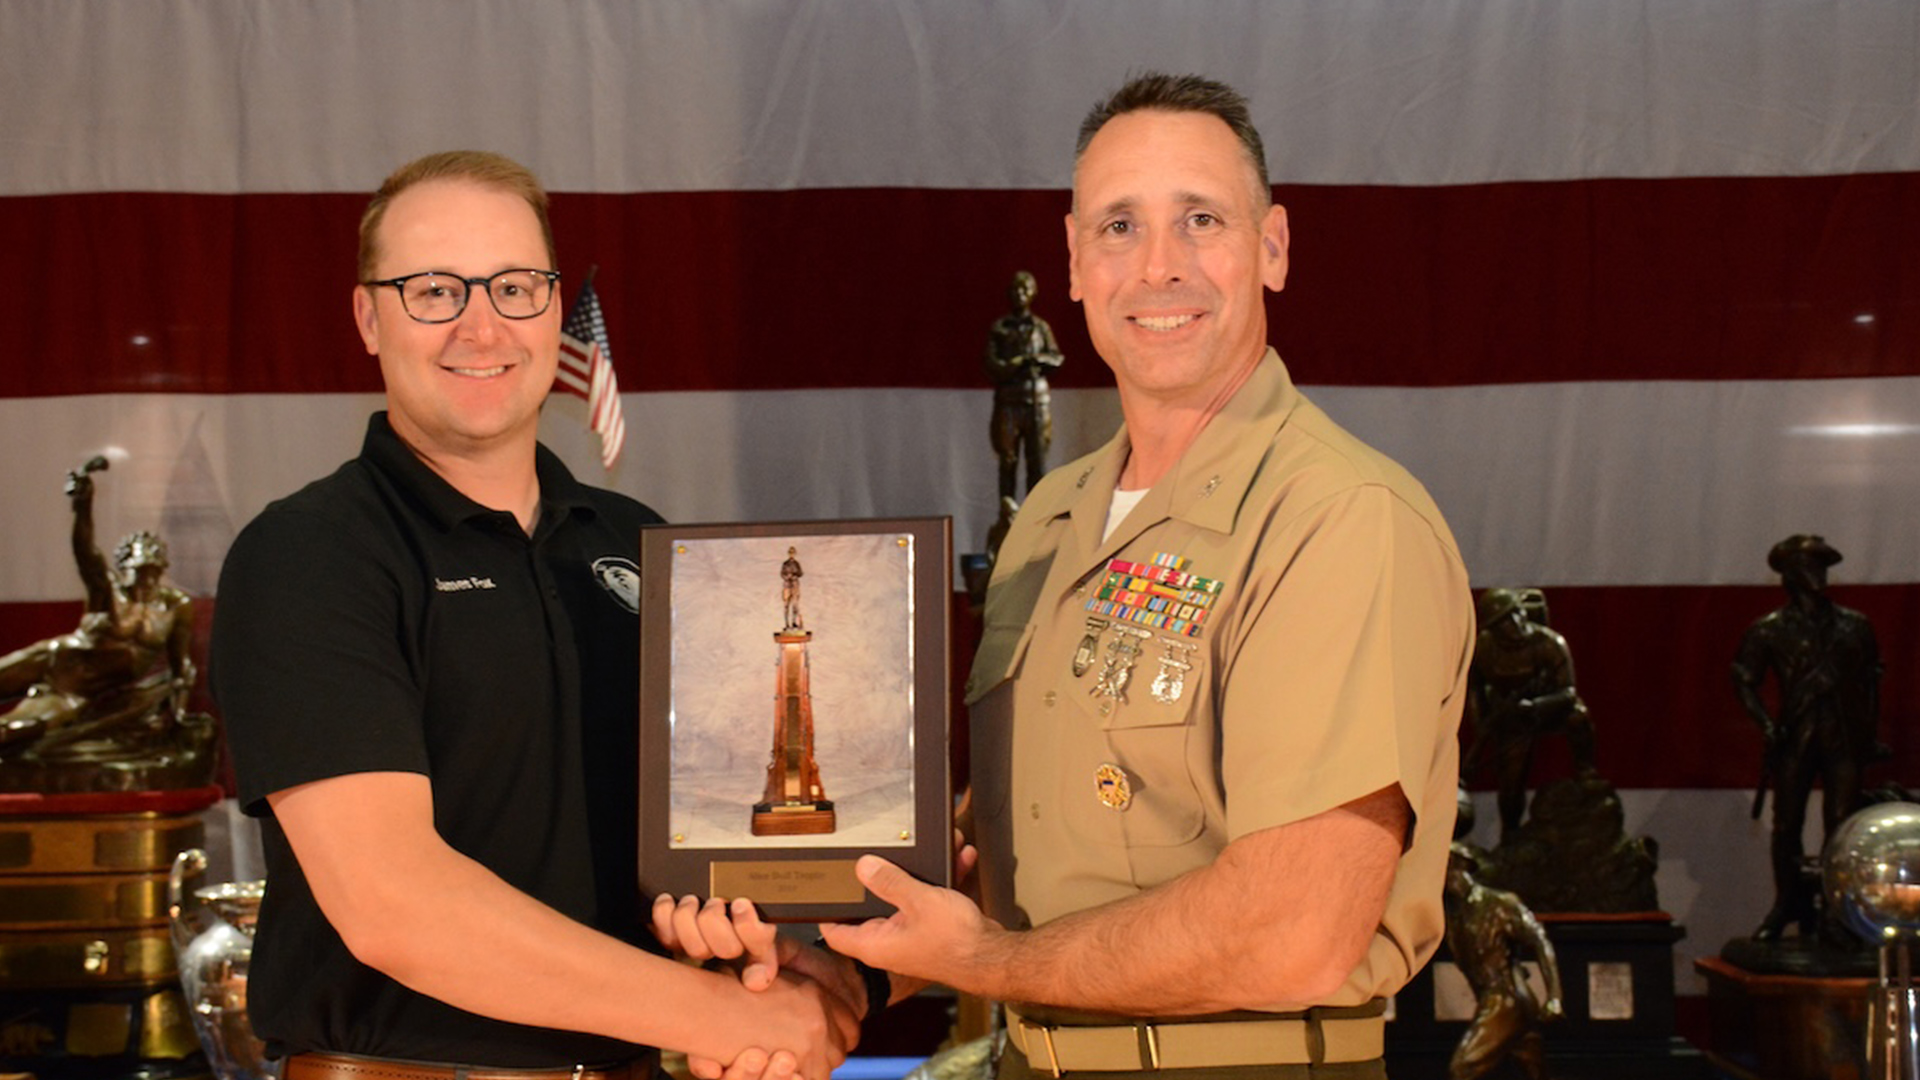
x: 1216, y: 703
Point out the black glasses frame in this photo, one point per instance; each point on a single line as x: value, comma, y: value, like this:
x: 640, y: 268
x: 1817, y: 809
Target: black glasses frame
x: 485, y: 283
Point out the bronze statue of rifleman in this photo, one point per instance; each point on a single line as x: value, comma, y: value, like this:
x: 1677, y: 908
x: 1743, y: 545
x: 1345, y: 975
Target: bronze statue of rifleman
x: 1826, y: 668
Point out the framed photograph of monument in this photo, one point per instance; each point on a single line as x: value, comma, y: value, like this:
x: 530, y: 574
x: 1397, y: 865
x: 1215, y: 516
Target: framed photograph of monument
x: 794, y: 691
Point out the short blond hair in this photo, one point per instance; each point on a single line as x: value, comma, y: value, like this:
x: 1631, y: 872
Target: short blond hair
x: 481, y: 167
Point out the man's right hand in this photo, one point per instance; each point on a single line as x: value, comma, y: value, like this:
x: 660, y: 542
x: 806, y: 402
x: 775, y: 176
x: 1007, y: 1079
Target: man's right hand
x: 812, y: 1028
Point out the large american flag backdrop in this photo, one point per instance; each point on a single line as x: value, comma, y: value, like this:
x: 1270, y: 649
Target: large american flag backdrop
x: 1635, y: 288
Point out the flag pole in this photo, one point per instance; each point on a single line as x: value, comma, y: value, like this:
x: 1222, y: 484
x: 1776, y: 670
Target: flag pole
x: 586, y: 283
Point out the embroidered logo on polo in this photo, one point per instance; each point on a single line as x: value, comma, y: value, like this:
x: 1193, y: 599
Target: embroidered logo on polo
x: 621, y: 578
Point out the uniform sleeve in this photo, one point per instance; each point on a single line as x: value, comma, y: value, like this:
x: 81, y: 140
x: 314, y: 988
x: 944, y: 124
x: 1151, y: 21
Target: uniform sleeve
x: 1347, y: 664
x: 309, y: 664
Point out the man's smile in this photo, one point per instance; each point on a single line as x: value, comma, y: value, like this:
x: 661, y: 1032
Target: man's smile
x: 1162, y: 322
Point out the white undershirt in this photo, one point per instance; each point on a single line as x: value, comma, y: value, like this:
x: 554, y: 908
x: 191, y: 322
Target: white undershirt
x: 1122, y: 505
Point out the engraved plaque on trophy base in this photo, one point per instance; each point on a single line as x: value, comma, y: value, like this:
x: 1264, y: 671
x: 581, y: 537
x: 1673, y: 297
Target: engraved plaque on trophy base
x: 785, y: 819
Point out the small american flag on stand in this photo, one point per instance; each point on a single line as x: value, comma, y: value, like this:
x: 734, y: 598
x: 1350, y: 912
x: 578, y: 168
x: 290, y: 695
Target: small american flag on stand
x: 586, y: 371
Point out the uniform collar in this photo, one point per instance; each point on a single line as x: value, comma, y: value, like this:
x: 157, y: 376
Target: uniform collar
x: 559, y: 491
x: 1208, y: 484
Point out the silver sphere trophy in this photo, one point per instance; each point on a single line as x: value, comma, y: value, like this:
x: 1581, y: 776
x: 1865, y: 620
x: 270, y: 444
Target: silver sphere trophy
x: 1872, y: 877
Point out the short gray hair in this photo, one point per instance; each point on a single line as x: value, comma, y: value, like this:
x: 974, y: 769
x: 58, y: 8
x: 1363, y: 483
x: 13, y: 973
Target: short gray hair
x: 1181, y: 93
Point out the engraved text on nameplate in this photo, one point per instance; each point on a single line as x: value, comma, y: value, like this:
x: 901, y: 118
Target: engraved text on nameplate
x: 787, y: 881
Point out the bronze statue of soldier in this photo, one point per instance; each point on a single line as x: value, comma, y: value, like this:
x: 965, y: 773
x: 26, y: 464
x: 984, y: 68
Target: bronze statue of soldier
x: 115, y: 689
x: 1490, y: 933
x: 1521, y: 687
x: 790, y: 575
x: 1826, y: 668
x: 1020, y: 352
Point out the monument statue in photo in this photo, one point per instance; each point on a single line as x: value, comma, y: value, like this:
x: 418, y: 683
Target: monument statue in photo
x: 795, y: 803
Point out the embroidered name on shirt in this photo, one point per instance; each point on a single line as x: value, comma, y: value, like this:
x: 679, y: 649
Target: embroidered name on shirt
x: 462, y: 584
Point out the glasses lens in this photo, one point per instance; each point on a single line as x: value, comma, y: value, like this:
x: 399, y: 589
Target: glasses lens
x: 520, y: 294
x: 434, y: 297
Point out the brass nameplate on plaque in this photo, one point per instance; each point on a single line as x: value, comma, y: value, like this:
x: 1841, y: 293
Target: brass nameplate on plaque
x: 787, y: 881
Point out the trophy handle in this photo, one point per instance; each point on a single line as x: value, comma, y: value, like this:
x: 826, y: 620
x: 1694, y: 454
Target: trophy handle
x: 190, y: 864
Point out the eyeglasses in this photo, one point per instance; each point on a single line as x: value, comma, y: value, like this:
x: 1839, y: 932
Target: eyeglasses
x: 437, y: 296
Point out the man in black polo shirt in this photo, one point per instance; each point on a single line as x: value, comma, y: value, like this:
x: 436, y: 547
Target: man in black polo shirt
x: 427, y: 665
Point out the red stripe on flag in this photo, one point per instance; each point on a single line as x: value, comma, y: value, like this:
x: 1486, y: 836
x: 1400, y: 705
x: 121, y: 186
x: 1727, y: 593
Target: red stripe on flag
x: 1598, y: 279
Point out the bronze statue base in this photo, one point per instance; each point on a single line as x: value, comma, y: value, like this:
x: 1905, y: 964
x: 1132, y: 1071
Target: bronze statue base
x: 1620, y: 1017
x: 1815, y: 958
x: 183, y: 760
x: 1572, y: 854
x: 793, y: 819
x: 1786, y: 1027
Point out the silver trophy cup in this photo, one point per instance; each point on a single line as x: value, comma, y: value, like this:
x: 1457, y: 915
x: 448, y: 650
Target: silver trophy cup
x: 1871, y: 868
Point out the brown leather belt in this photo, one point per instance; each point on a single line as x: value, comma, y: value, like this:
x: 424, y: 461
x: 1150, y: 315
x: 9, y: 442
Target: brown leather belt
x: 1315, y: 1037
x: 318, y: 1066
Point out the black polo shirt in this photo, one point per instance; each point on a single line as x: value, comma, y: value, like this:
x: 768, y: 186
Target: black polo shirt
x: 378, y: 620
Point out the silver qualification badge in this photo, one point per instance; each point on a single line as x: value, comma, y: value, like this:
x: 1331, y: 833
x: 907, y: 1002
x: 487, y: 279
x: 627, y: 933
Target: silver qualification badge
x: 1171, y: 682
x: 1089, y: 646
x: 1122, y: 652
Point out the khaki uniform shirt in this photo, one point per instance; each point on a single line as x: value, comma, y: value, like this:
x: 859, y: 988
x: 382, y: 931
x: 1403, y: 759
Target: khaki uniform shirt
x: 1330, y: 663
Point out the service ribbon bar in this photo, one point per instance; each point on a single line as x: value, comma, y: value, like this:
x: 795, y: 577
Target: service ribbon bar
x: 1163, y: 595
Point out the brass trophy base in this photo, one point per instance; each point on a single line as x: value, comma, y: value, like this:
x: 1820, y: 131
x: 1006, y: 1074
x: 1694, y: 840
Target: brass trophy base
x: 793, y: 819
x: 89, y: 988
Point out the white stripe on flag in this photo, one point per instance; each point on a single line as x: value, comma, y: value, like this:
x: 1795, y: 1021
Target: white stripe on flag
x: 1444, y: 93
x: 568, y: 379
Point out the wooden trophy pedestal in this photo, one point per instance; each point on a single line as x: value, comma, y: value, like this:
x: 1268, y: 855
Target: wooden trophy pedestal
x: 782, y: 819
x: 1786, y: 1027
x: 795, y: 803
x: 1616, y: 973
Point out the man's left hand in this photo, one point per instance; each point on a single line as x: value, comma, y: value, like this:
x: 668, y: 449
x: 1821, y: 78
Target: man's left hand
x: 937, y: 934
x: 735, y: 933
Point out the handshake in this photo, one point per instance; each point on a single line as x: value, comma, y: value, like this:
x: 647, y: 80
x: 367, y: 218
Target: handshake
x: 803, y: 1004
x: 809, y: 1001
